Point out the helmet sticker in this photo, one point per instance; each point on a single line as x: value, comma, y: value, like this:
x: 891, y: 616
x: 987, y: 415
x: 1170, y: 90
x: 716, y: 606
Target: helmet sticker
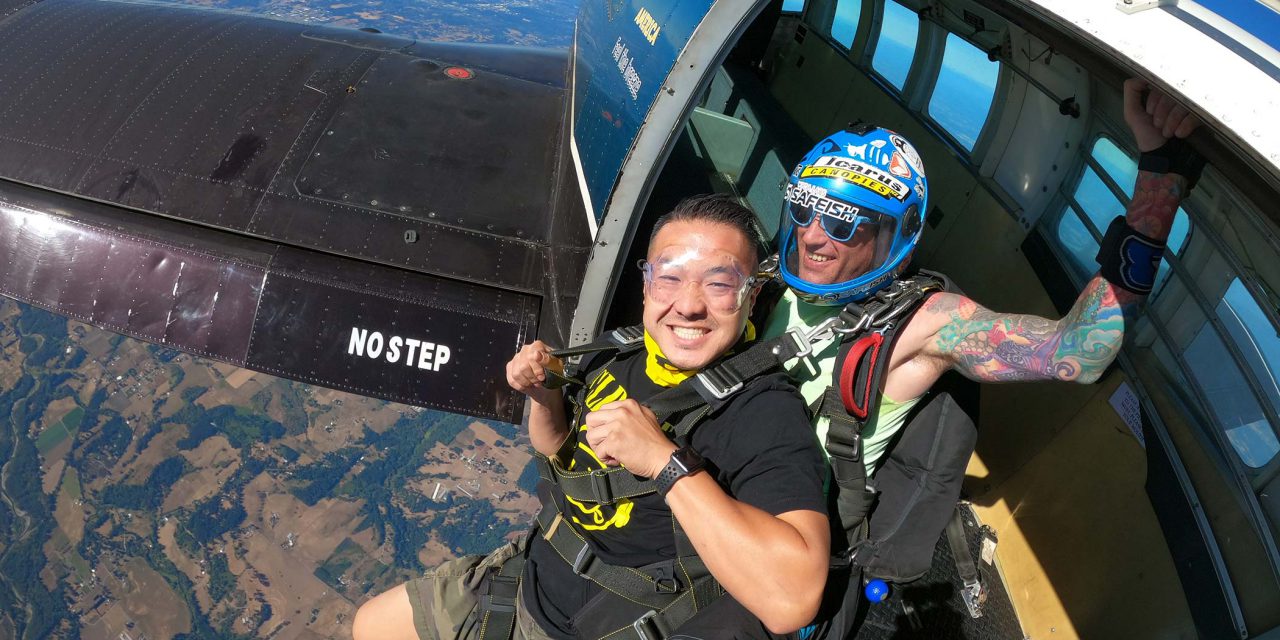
x: 898, y: 166
x: 859, y: 173
x: 874, y: 154
x: 919, y: 188
x: 815, y: 198
x: 909, y: 152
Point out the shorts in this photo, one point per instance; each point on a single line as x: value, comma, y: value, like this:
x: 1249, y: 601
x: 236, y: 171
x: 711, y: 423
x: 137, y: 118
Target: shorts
x: 445, y: 599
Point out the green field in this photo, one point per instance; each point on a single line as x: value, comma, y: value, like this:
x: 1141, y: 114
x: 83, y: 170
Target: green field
x: 61, y: 430
x: 70, y: 555
x: 71, y: 484
x: 368, y: 575
x: 347, y: 554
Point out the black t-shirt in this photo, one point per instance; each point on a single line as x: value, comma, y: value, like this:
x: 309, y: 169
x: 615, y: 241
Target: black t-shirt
x: 760, y: 447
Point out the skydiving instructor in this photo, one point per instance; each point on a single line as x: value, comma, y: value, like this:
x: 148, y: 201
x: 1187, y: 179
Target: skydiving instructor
x: 853, y: 216
x: 724, y: 498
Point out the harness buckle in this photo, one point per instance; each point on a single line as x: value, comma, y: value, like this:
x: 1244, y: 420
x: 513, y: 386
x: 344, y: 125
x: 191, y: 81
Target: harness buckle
x: 627, y: 336
x: 583, y: 560
x: 646, y: 628
x: 974, y: 595
x: 849, y: 449
x: 664, y: 579
x: 600, y: 487
x: 804, y: 341
x: 719, y: 388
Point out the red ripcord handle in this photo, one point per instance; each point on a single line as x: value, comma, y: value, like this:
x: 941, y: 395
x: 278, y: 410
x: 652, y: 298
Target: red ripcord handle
x: 849, y: 373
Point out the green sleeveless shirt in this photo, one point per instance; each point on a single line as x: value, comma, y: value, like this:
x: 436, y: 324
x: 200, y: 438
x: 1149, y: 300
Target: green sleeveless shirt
x: 813, y: 376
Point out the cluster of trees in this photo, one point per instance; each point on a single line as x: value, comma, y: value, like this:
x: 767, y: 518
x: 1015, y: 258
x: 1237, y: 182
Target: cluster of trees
x: 221, y: 581
x: 528, y: 481
x: 112, y: 440
x: 469, y: 526
x: 24, y: 558
x: 317, y: 481
x: 291, y: 403
x: 211, y: 518
x: 242, y: 428
x: 403, y: 447
x: 150, y: 494
x: 52, y: 329
x: 289, y: 454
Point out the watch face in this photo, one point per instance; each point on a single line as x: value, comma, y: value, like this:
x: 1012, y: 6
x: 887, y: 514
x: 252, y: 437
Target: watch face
x: 687, y: 458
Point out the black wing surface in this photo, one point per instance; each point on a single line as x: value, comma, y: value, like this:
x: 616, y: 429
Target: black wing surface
x: 350, y: 209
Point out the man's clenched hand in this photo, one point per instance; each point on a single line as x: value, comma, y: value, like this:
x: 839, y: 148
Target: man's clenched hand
x: 525, y: 372
x: 627, y: 433
x: 1159, y: 119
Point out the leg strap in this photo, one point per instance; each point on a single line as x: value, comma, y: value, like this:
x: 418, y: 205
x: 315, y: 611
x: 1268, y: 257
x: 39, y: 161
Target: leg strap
x: 497, y: 600
x: 625, y: 582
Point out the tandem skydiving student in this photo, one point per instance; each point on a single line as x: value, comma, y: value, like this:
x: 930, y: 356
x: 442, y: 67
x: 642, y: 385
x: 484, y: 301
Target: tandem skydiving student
x: 647, y: 519
x: 852, y: 218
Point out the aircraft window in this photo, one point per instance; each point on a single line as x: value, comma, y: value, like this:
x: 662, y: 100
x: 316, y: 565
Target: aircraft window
x: 1079, y: 243
x: 792, y: 6
x: 966, y: 87
x: 1254, y: 335
x: 845, y: 24
x: 1120, y: 166
x: 896, y: 45
x: 1228, y: 394
x: 1097, y: 200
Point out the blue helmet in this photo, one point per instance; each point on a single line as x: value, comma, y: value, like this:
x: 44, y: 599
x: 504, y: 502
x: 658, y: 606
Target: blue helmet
x: 852, y: 215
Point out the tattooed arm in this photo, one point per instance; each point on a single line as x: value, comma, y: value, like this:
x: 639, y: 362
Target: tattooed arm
x: 1004, y: 347
x: 1001, y: 347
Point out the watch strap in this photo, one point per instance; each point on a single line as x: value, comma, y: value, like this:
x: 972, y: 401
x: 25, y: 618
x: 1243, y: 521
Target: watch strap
x: 684, y: 461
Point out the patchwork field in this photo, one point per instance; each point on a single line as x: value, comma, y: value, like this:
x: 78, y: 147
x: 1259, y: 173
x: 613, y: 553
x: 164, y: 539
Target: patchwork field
x: 184, y: 496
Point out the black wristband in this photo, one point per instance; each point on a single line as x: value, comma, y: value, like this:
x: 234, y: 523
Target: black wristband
x: 1129, y: 259
x: 684, y: 462
x: 1174, y: 156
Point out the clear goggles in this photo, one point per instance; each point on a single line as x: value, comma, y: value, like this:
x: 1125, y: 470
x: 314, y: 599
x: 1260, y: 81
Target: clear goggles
x: 722, y: 283
x: 839, y: 219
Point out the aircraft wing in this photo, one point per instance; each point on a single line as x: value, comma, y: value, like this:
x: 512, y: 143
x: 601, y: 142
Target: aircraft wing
x: 349, y: 209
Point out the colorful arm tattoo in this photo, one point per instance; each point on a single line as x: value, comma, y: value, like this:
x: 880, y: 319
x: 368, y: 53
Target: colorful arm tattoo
x: 1002, y: 347
x: 1006, y: 347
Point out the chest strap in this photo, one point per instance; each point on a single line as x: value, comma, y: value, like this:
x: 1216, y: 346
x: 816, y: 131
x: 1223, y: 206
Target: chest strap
x: 688, y: 402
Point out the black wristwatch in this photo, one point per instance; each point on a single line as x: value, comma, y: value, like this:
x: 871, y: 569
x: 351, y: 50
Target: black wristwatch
x: 684, y: 461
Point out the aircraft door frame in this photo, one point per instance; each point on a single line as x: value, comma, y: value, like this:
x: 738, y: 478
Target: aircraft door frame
x: 693, y: 70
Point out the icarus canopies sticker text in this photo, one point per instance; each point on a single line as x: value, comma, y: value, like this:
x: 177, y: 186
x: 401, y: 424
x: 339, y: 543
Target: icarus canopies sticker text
x: 859, y: 173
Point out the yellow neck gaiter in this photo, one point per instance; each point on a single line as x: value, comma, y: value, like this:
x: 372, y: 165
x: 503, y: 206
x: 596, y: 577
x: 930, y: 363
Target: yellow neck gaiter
x: 663, y: 373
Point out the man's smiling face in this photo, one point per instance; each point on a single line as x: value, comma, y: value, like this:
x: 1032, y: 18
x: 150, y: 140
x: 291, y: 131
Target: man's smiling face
x: 692, y: 328
x: 823, y: 260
